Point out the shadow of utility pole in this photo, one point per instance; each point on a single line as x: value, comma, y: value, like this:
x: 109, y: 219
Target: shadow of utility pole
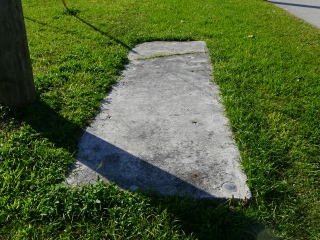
x: 74, y: 13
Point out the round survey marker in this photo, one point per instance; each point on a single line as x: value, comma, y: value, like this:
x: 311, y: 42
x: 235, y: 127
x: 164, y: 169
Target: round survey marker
x: 229, y: 187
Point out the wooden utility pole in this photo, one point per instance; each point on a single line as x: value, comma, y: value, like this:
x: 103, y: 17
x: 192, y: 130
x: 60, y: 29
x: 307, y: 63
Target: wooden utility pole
x: 16, y: 78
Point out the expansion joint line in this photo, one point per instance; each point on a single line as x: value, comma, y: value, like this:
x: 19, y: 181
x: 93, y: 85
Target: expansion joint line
x: 165, y: 55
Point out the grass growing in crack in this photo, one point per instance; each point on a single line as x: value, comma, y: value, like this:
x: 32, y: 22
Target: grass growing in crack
x: 270, y: 87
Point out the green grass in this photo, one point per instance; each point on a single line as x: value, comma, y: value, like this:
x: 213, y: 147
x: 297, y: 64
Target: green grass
x: 270, y: 87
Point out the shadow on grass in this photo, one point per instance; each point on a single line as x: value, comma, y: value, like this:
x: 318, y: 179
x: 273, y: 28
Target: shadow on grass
x: 203, y: 219
x: 207, y: 219
x: 76, y: 33
x: 62, y: 132
x: 52, y: 27
x: 97, y: 157
x: 74, y: 13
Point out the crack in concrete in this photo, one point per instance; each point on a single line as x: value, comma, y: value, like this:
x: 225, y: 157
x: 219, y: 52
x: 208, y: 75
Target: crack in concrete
x: 164, y: 55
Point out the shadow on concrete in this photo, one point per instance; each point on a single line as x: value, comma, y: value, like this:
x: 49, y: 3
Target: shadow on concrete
x: 197, y: 211
x: 200, y: 219
x: 295, y: 5
x: 195, y: 217
x: 128, y: 171
x: 116, y: 165
x: 111, y: 162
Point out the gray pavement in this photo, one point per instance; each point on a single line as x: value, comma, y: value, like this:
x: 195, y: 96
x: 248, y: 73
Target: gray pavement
x: 163, y: 128
x: 308, y: 10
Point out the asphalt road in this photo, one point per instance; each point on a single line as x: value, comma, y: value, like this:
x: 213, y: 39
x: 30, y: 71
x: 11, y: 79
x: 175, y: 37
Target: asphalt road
x: 308, y: 10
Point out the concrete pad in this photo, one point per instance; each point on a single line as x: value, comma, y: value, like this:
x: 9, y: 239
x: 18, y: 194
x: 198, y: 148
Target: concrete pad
x: 163, y: 128
x: 308, y: 10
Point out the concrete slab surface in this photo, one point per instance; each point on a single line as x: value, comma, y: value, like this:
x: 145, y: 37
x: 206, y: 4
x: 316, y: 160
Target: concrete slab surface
x: 163, y: 128
x: 308, y: 10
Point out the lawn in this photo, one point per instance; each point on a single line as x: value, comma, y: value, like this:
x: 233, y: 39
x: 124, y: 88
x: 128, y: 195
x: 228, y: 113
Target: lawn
x: 267, y: 65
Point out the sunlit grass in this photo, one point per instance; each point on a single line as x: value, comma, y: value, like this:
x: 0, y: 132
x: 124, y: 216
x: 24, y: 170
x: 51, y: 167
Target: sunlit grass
x: 267, y: 64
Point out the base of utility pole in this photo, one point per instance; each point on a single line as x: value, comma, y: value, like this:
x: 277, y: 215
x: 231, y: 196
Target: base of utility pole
x: 16, y: 78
